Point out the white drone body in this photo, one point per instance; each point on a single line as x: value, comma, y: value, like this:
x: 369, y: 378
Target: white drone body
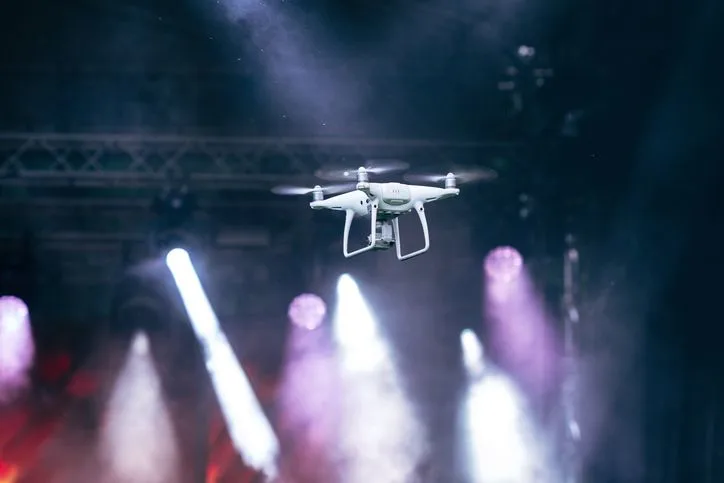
x: 384, y: 203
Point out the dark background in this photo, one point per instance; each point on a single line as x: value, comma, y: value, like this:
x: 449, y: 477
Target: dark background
x: 635, y: 177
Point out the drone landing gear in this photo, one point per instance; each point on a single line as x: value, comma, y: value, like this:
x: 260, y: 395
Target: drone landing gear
x: 420, y: 210
x: 382, y: 235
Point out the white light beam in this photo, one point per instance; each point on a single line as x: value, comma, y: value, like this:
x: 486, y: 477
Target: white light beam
x: 249, y: 429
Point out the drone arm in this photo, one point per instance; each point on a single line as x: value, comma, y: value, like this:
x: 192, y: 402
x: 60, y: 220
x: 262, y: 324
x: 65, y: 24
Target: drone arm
x: 348, y: 224
x: 420, y: 210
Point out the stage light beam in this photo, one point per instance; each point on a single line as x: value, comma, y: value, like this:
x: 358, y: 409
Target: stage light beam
x: 355, y: 329
x: 307, y: 311
x: 503, y: 264
x: 138, y: 441
x: 473, y: 353
x: 249, y: 428
x: 501, y: 446
x: 380, y: 435
x: 17, y: 349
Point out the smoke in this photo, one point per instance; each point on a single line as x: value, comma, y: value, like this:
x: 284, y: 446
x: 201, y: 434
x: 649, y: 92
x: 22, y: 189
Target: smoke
x: 381, y: 437
x: 343, y: 422
x: 308, y: 409
x: 309, y: 83
x: 138, y: 441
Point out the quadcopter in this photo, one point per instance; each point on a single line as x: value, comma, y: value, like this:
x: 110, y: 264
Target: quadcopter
x: 383, y: 203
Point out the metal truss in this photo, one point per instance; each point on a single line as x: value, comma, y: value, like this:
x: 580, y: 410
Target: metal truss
x: 207, y: 163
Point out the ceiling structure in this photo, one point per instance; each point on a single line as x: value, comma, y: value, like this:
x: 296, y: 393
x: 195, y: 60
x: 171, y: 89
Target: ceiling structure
x: 114, y: 103
x: 83, y: 201
x: 209, y: 164
x: 69, y: 187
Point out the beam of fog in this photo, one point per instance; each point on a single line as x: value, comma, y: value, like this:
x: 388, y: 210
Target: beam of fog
x: 473, y: 353
x: 499, y: 438
x: 355, y: 329
x: 138, y: 444
x: 17, y: 349
x: 521, y: 331
x: 248, y: 426
x: 380, y: 436
x: 503, y: 444
x: 300, y: 74
x: 308, y: 408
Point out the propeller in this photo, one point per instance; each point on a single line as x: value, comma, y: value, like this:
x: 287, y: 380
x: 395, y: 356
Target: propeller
x: 462, y: 176
x: 286, y: 190
x: 372, y: 166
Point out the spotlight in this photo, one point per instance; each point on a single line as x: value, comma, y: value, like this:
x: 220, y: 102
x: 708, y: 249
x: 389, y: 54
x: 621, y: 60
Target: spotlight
x: 354, y: 324
x: 248, y: 427
x: 137, y: 440
x: 307, y: 311
x: 140, y: 301
x: 177, y: 257
x: 473, y: 353
x: 346, y: 284
x: 526, y: 52
x: 355, y: 329
x: 500, y: 437
x: 174, y: 206
x: 140, y: 344
x: 174, y: 209
x: 503, y: 264
x: 17, y: 349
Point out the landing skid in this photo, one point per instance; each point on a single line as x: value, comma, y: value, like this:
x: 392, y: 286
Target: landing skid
x: 385, y: 232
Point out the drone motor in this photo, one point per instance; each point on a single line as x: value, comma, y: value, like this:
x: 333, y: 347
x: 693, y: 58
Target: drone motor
x: 450, y: 181
x: 362, y: 176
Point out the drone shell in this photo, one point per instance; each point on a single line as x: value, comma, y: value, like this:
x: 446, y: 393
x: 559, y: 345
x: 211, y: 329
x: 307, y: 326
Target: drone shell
x: 356, y: 200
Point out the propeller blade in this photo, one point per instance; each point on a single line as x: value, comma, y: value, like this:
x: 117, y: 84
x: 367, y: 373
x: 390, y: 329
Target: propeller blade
x: 382, y: 166
x: 373, y: 166
x: 286, y: 190
x: 423, y: 178
x: 462, y: 176
x: 475, y: 175
x: 338, y: 188
x: 291, y: 190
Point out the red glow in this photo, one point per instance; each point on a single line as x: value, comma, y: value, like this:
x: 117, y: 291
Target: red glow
x: 84, y: 384
x: 8, y: 473
x: 53, y: 367
x: 212, y: 474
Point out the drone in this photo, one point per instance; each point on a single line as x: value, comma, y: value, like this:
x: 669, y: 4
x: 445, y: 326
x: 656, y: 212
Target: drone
x: 383, y: 203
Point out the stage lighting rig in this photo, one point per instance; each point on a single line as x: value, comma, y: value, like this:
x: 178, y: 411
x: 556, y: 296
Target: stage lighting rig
x: 526, y: 72
x: 140, y: 301
x: 18, y: 268
x: 174, y: 208
x: 571, y: 326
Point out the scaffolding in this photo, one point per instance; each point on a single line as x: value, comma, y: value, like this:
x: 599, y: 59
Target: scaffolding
x: 571, y: 322
x: 208, y: 163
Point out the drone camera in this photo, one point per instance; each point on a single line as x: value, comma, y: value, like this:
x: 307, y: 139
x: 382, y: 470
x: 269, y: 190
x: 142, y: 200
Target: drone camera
x: 450, y: 181
x: 384, y: 237
x: 317, y: 193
